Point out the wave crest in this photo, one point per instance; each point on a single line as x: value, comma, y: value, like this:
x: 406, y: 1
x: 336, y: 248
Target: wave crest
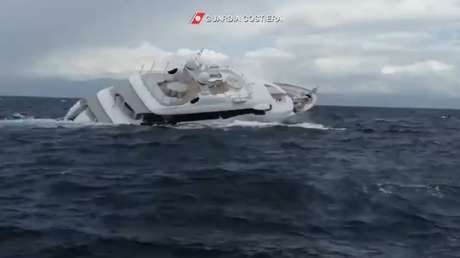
x: 56, y: 123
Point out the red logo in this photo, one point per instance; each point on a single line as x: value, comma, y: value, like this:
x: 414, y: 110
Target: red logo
x: 197, y: 18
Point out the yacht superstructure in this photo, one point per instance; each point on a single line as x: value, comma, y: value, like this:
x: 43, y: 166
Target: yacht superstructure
x: 194, y: 92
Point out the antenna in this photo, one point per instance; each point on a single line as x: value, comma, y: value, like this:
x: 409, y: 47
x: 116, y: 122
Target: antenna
x: 166, y: 66
x: 200, y: 52
x: 315, y: 82
x: 152, y: 66
x: 142, y: 69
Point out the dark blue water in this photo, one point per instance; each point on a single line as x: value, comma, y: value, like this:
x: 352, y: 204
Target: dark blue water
x: 343, y: 182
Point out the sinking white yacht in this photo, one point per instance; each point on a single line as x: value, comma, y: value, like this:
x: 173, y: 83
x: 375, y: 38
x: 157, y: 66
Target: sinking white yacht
x: 194, y: 92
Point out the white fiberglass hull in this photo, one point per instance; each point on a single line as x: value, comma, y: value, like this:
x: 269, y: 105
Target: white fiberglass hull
x: 105, y: 109
x: 195, y: 93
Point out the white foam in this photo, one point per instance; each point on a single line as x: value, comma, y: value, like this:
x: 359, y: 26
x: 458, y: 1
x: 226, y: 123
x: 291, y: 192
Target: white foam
x: 219, y: 124
x: 389, y: 188
x: 306, y: 125
x: 250, y: 124
x: 384, y: 190
x: 43, y: 123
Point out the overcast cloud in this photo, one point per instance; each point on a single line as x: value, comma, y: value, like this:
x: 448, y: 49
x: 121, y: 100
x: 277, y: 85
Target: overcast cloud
x: 355, y: 48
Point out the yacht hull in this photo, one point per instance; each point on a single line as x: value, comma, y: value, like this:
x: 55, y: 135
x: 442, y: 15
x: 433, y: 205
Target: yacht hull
x: 104, y: 109
x: 203, y: 94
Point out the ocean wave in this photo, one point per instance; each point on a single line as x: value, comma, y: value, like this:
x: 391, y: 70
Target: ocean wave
x: 44, y: 123
x: 233, y: 188
x: 56, y: 123
x: 251, y: 124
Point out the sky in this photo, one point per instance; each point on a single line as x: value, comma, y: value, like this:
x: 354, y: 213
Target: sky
x: 359, y: 52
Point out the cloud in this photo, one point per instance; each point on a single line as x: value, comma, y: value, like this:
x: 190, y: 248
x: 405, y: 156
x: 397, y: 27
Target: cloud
x: 208, y: 55
x: 330, y: 13
x: 113, y: 62
x: 425, y: 67
x: 97, y: 62
x: 347, y: 65
x: 347, y: 47
x: 268, y: 52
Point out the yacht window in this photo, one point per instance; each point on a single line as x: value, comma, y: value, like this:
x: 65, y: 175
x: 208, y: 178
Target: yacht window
x: 129, y: 110
x: 127, y: 106
x: 195, y: 100
x: 120, y: 101
x: 173, y: 71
